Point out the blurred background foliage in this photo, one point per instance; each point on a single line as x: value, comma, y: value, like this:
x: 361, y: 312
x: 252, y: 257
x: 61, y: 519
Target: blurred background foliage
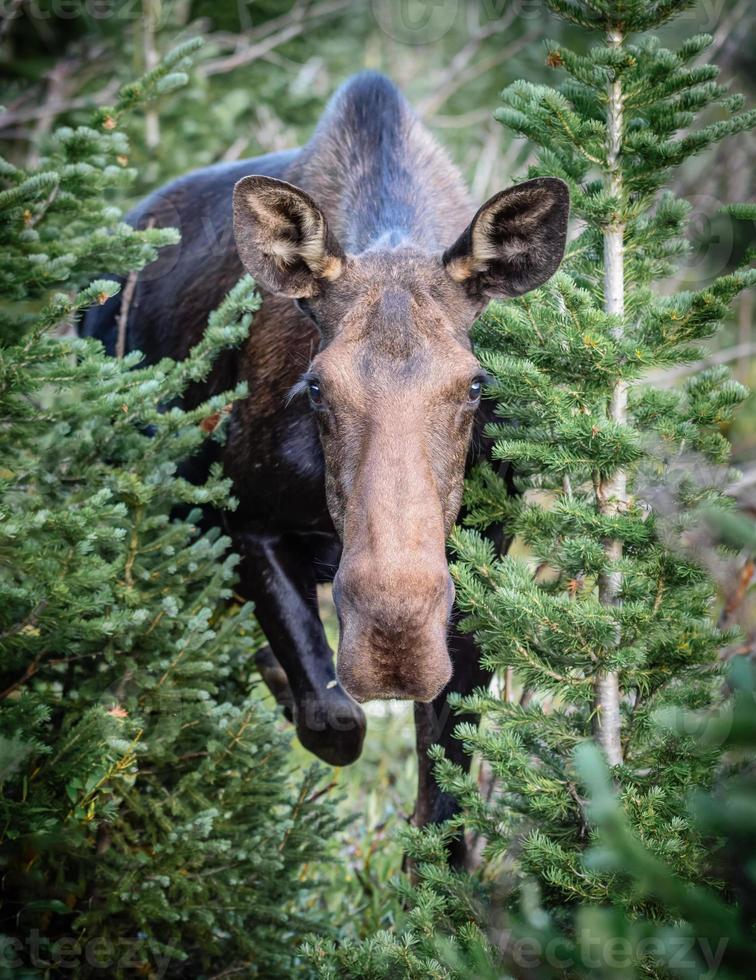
x: 262, y: 78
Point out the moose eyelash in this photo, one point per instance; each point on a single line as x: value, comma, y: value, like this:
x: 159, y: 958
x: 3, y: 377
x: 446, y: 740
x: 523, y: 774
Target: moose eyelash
x: 485, y: 379
x: 300, y: 387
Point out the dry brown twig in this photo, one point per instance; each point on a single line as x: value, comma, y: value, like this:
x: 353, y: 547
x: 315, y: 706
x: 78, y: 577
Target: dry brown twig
x: 666, y: 378
x: 453, y: 79
x: 126, y: 297
x: 276, y: 32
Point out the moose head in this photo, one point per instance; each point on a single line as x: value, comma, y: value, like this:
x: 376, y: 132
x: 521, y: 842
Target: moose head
x: 394, y: 387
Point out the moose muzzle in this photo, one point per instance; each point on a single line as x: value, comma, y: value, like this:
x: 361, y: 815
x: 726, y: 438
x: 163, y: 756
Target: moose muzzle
x: 394, y: 632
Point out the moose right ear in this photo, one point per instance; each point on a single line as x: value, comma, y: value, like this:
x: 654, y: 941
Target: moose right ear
x: 515, y: 242
x: 283, y: 239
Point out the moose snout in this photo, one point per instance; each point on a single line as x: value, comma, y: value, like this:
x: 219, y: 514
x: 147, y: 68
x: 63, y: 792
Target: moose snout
x: 393, y: 641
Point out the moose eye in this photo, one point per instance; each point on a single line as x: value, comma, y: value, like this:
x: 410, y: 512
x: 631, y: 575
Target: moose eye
x: 475, y: 390
x: 316, y: 395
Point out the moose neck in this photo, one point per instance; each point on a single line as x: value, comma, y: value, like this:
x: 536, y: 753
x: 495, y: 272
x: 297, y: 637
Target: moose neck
x: 380, y: 177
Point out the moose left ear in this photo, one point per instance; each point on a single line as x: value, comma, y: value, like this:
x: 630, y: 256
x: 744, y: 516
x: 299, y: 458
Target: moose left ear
x: 282, y: 238
x: 515, y: 242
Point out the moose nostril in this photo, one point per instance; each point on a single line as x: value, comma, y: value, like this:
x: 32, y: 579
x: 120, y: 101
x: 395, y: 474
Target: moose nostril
x: 354, y: 588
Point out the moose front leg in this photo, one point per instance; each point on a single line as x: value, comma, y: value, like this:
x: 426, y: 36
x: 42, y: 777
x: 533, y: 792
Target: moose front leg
x: 277, y: 574
x: 434, y: 724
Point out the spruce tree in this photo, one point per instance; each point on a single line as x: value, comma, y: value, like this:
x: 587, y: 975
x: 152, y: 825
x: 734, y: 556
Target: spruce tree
x: 607, y: 621
x: 616, y: 621
x: 708, y: 929
x: 150, y: 821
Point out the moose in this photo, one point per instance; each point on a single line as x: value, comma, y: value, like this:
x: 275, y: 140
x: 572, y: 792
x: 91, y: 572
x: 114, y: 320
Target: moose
x: 349, y: 451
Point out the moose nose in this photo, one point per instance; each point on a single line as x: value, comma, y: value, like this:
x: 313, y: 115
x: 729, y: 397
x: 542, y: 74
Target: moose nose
x: 393, y: 633
x: 393, y: 598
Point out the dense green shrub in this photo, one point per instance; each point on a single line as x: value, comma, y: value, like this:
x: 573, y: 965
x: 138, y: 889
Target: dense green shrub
x: 150, y: 821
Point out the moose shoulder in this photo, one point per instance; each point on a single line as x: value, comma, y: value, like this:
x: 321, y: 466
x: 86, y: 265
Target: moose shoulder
x: 348, y: 454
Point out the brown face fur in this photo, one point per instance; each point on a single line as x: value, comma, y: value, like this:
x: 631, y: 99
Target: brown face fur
x: 394, y: 386
x: 395, y: 412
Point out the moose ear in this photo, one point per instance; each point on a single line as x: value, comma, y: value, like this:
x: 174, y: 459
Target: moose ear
x: 515, y: 242
x: 283, y: 239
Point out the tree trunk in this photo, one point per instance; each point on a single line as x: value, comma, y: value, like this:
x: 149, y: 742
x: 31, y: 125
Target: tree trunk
x: 612, y: 492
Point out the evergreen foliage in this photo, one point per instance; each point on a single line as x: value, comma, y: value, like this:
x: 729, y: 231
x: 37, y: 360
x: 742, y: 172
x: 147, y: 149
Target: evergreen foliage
x: 150, y: 819
x: 609, y: 621
x: 705, y: 932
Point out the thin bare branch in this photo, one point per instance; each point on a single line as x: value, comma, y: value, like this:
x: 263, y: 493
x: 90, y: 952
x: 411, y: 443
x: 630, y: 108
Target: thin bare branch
x: 126, y: 297
x: 465, y: 57
x: 57, y: 105
x: 12, y: 9
x: 746, y: 481
x: 449, y: 82
x: 123, y: 313
x: 150, y: 13
x: 299, y: 18
x: 486, y: 162
x: 667, y: 378
x: 460, y: 120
